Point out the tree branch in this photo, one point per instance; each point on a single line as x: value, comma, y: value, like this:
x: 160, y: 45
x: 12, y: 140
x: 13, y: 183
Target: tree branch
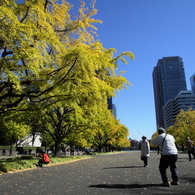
x: 25, y: 16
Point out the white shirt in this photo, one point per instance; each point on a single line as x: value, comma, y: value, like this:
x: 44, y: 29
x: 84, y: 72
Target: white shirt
x: 169, y: 147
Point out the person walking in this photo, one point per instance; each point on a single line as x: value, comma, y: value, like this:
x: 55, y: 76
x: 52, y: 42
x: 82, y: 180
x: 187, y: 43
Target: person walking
x: 169, y: 156
x: 4, y: 151
x: 30, y: 150
x: 190, y: 148
x: 145, y: 150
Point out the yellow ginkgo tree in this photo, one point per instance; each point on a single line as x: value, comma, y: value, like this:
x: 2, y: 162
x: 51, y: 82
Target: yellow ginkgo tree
x: 15, y: 128
x: 47, y: 57
x: 107, y: 133
x: 183, y: 127
x: 50, y: 59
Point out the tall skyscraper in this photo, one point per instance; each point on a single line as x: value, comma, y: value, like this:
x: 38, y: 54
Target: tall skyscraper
x: 112, y: 106
x: 192, y: 82
x: 168, y: 80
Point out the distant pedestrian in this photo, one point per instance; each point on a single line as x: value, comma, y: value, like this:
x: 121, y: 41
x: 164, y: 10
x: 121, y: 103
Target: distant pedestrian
x: 145, y: 150
x: 190, y: 148
x: 169, y: 156
x: 38, y: 150
x: 30, y: 150
x: 4, y: 152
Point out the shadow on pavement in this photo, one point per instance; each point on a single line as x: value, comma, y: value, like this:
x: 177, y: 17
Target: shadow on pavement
x: 125, y: 185
x: 123, y: 167
x: 189, y: 177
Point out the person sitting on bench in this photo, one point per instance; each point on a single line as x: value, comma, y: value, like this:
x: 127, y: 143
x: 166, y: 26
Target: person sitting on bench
x: 45, y: 159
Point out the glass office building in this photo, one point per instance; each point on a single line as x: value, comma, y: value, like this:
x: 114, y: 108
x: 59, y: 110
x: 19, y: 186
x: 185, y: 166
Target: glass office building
x: 192, y: 82
x: 184, y: 100
x: 168, y: 80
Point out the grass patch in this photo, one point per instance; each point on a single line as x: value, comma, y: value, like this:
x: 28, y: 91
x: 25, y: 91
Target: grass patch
x: 28, y: 161
x: 182, y: 151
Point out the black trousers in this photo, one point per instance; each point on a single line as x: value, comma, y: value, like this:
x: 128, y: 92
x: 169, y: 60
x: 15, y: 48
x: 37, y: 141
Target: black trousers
x: 165, y: 162
x: 145, y: 159
x: 189, y: 154
x: 40, y: 163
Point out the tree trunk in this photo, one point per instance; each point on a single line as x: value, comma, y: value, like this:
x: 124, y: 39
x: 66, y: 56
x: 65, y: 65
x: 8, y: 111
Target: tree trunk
x: 100, y: 148
x: 57, y: 150
x: 11, y: 149
x: 33, y: 139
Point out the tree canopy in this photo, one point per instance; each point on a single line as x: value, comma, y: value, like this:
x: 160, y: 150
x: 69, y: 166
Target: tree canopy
x: 51, y: 62
x: 183, y: 127
x: 47, y: 57
x: 15, y: 127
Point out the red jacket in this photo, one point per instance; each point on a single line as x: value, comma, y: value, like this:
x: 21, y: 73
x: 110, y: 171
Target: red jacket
x: 45, y: 157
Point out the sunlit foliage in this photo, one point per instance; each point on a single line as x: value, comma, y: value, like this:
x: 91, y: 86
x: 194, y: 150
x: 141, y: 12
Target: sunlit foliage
x: 183, y: 127
x: 50, y: 61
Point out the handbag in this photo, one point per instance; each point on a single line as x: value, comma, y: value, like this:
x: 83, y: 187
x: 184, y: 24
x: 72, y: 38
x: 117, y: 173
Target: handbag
x: 142, y: 158
x: 160, y: 151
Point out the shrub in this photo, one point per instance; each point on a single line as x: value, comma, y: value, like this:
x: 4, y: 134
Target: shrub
x: 3, y: 168
x: 27, y: 157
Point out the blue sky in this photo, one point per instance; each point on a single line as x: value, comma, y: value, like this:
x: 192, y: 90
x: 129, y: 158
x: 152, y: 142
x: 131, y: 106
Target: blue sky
x: 150, y: 29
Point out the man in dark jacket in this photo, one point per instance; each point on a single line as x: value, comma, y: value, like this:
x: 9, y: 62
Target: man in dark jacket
x: 190, y: 148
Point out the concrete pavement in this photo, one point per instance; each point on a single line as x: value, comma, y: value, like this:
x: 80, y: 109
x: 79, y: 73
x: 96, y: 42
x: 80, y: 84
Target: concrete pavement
x: 117, y: 174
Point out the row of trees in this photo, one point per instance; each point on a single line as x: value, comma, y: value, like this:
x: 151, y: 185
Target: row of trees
x: 57, y: 129
x: 55, y: 77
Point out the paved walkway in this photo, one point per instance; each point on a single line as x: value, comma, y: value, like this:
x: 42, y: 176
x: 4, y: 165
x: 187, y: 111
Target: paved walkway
x: 117, y: 174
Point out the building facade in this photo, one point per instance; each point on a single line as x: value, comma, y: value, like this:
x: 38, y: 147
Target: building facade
x: 168, y: 80
x: 185, y: 100
x: 112, y: 107
x: 192, y: 82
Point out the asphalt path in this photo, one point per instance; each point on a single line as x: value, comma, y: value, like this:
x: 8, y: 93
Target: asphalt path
x: 116, y: 174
